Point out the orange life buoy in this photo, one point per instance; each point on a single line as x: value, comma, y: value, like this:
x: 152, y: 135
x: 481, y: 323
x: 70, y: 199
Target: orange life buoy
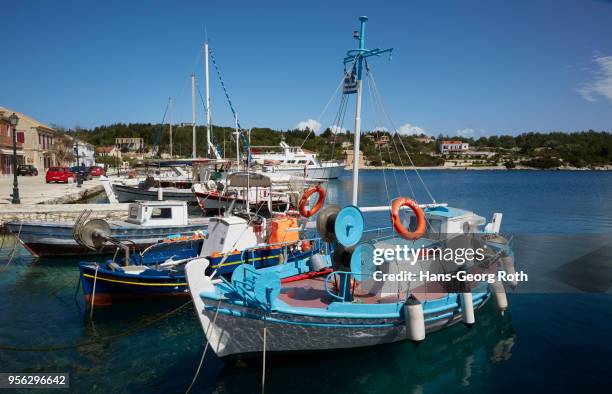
x: 397, y: 222
x: 304, y: 200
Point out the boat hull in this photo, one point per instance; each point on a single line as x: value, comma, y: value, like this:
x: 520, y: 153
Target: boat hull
x: 112, y: 287
x: 133, y: 193
x: 48, y: 239
x: 325, y: 172
x: 239, y: 330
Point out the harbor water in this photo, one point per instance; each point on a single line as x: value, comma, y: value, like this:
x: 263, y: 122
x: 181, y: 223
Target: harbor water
x: 554, y: 337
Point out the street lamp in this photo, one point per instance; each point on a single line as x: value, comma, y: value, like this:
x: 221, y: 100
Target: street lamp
x: 14, y: 119
x: 79, y: 178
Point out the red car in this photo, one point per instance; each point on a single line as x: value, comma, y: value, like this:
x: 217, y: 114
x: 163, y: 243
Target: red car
x: 59, y: 174
x: 96, y: 171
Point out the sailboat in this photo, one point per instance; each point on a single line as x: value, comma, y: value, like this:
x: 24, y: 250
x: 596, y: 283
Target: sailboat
x: 332, y: 299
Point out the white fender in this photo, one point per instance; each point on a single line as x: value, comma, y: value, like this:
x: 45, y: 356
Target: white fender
x: 415, y: 319
x: 467, y: 308
x: 160, y: 193
x: 499, y: 296
x: 508, y: 264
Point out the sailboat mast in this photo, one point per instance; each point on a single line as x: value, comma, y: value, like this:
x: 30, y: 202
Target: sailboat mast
x: 170, y: 122
x: 357, y: 139
x: 193, y: 116
x: 208, y: 119
x: 237, y: 140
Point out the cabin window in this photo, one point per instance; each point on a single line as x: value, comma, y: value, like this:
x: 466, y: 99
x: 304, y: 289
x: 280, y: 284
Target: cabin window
x: 434, y: 226
x: 133, y: 212
x: 302, y: 162
x: 161, y: 213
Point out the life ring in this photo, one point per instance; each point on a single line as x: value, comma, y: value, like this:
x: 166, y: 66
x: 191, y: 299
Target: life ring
x: 397, y: 222
x: 304, y: 201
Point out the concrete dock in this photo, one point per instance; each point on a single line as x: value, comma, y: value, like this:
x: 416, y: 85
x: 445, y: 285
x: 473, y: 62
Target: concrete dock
x: 54, y: 201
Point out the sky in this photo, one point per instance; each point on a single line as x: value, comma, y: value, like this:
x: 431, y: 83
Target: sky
x: 470, y: 68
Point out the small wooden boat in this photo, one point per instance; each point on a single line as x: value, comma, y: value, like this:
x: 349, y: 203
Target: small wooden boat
x: 147, y: 223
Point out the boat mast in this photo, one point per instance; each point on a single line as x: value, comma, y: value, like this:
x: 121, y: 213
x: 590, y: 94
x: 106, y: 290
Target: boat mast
x: 170, y: 122
x: 237, y: 133
x: 357, y: 56
x: 193, y: 116
x: 208, y: 119
x: 356, y: 143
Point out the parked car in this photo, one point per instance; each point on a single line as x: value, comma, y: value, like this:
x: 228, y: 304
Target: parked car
x: 96, y: 171
x: 59, y: 174
x: 27, y: 169
x: 83, y: 171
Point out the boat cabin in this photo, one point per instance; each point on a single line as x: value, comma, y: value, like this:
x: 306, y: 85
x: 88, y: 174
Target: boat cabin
x: 158, y: 213
x: 444, y: 221
x: 290, y: 156
x: 228, y: 234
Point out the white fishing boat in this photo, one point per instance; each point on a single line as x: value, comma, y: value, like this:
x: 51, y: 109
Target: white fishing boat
x: 147, y: 223
x: 295, y: 160
x: 303, y: 306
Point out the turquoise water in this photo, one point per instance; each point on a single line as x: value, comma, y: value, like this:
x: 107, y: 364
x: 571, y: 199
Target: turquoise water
x: 558, y: 342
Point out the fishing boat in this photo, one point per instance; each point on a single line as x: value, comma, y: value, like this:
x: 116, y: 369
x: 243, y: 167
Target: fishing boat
x: 147, y: 223
x: 295, y: 160
x: 304, y: 306
x: 239, y: 238
x: 263, y: 192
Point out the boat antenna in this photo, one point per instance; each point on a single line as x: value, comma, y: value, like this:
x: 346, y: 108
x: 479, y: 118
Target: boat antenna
x: 358, y: 56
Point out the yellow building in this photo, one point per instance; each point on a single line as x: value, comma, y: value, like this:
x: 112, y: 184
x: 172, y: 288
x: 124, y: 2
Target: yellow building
x: 36, y: 140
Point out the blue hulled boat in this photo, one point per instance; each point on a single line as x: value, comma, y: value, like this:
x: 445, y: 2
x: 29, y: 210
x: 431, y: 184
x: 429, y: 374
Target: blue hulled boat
x: 159, y: 271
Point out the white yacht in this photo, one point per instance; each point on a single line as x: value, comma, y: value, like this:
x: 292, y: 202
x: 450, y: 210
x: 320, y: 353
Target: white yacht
x: 294, y: 160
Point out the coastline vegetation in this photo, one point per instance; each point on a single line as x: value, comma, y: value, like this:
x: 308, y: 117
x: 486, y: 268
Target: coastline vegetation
x: 585, y: 149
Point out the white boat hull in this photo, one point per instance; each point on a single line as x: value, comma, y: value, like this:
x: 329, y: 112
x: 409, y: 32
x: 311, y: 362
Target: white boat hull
x: 324, y: 172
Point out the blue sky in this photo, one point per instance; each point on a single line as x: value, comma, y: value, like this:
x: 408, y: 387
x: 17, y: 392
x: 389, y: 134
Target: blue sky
x: 480, y: 67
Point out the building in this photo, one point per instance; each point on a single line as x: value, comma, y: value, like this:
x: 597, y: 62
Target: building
x: 424, y: 139
x: 130, y: 144
x: 449, y: 147
x: 348, y: 153
x: 87, y: 153
x: 6, y: 145
x: 36, y: 139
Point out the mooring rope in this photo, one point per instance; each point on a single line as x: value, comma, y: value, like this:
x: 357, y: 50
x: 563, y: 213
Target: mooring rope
x: 93, y: 293
x: 96, y: 341
x: 195, y: 377
x: 12, y: 253
x: 263, y: 368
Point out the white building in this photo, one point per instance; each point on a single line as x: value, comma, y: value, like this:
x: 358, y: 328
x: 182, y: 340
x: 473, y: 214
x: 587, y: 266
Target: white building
x: 449, y: 147
x: 87, y: 153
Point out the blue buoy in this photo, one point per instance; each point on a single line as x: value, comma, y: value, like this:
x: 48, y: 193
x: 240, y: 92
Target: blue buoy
x: 349, y: 226
x: 362, y: 262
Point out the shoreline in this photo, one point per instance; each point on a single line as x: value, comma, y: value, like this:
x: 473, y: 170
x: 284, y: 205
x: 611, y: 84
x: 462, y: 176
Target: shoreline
x: 482, y: 168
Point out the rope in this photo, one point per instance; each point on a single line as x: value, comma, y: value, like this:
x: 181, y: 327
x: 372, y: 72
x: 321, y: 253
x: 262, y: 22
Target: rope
x: 263, y: 373
x: 195, y: 377
x: 399, y: 137
x: 245, y: 143
x: 12, y: 253
x: 93, y: 293
x: 94, y: 342
x: 324, y: 109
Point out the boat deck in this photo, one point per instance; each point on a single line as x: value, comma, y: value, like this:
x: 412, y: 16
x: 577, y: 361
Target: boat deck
x: 311, y: 293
